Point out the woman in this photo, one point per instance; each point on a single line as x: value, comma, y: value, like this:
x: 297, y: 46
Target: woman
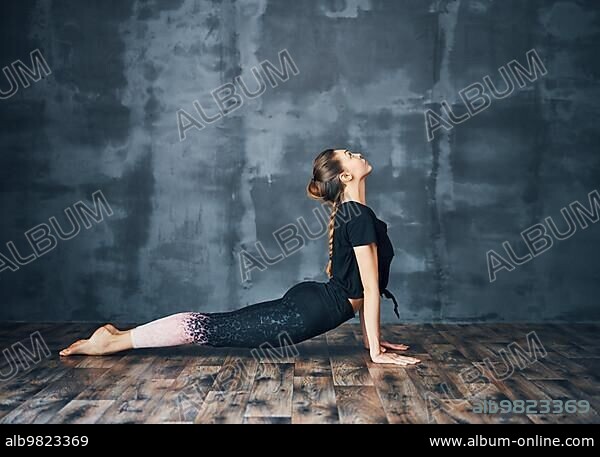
x: 360, y: 254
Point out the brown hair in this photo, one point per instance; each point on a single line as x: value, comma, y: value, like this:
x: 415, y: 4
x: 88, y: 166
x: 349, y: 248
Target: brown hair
x: 326, y: 186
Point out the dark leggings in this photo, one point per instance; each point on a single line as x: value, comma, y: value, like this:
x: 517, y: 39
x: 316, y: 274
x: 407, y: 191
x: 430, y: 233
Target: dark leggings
x: 306, y: 310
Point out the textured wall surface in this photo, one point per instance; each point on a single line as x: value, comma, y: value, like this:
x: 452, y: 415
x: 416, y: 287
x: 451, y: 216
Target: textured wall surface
x: 184, y: 211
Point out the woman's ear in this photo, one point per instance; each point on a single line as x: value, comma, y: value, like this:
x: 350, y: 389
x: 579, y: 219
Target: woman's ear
x: 345, y: 177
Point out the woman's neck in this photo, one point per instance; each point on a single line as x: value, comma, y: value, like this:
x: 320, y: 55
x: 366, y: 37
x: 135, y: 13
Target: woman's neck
x: 357, y: 193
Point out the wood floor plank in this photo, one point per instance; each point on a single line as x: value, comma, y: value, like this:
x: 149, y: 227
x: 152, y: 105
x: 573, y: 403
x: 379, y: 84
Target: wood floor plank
x: 352, y: 376
x: 492, y: 393
x: 359, y: 405
x: 136, y: 401
x: 168, y: 367
x: 203, y: 355
x: 42, y: 407
x: 448, y: 354
x: 590, y: 387
x: 591, y: 365
x: 428, y: 377
x: 564, y: 390
x: 26, y: 383
x: 34, y: 411
x: 314, y: 401
x: 307, y: 365
x: 467, y: 379
x: 223, y: 407
x: 227, y: 400
x: 342, y: 336
x: 462, y: 344
x: 328, y: 379
x: 108, y: 361
x: 313, y: 359
x: 184, y: 400
x: 496, y: 332
x: 461, y: 412
x: 426, y: 334
x: 12, y: 336
x: 530, y: 362
x: 349, y: 365
x: 284, y: 354
x: 267, y: 420
x: 399, y: 396
x: 116, y: 379
x: 344, y: 357
x: 517, y: 387
x: 474, y: 338
x: 82, y: 411
x: 563, y: 366
x: 272, y: 391
x: 237, y: 373
x: 574, y: 351
x: 580, y: 334
x: 550, y: 336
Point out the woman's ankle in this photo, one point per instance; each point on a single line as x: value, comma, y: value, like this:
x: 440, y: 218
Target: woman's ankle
x: 120, y: 342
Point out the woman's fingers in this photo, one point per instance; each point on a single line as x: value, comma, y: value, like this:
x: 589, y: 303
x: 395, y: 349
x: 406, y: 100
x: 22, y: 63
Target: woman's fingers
x: 401, y: 362
x: 395, y: 359
x: 395, y: 347
x: 411, y: 360
x: 404, y: 361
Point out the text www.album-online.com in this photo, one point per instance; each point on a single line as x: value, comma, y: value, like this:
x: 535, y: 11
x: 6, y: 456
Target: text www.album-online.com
x: 479, y: 440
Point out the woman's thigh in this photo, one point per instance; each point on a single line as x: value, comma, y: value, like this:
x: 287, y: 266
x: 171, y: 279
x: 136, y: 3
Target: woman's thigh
x: 298, y: 315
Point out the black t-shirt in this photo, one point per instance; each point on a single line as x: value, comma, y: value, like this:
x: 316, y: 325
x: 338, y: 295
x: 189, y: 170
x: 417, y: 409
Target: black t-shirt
x: 357, y: 225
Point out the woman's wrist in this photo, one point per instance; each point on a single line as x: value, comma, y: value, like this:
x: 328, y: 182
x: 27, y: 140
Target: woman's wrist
x: 375, y: 351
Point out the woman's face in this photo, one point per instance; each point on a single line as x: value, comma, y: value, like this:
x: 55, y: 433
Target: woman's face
x: 354, y: 163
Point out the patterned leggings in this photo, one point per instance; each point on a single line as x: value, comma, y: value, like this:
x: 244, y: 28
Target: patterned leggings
x: 306, y: 310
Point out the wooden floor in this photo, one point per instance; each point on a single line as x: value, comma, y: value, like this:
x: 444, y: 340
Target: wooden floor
x: 329, y: 379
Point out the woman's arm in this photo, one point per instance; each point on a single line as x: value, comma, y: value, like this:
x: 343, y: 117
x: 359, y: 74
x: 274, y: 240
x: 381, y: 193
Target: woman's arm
x: 366, y: 257
x: 361, y: 315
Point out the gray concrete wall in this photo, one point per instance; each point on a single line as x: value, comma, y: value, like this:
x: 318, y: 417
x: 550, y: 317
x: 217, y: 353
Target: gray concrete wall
x: 183, y: 212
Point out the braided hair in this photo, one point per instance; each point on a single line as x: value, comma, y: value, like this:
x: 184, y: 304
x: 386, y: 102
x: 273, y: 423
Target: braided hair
x: 326, y: 186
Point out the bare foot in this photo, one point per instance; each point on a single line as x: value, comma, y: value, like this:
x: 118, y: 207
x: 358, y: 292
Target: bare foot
x: 114, y: 330
x: 98, y: 344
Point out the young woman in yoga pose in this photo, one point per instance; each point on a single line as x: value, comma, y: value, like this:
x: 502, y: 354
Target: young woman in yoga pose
x: 360, y: 254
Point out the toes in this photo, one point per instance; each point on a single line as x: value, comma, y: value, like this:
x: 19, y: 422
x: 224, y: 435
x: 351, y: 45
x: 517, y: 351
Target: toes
x: 73, y: 349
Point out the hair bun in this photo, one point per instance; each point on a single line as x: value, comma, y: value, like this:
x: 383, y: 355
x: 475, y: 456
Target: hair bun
x: 315, y: 189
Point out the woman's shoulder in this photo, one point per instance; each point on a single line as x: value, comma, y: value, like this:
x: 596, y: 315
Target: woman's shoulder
x: 351, y: 214
x: 354, y: 213
x: 353, y: 209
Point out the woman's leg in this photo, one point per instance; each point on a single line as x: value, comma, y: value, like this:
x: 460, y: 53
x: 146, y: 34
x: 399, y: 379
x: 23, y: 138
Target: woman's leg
x: 303, y: 312
x: 173, y: 330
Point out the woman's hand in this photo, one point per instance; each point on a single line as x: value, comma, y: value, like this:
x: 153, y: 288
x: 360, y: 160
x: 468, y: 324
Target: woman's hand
x: 395, y: 359
x: 385, y: 345
x: 393, y: 346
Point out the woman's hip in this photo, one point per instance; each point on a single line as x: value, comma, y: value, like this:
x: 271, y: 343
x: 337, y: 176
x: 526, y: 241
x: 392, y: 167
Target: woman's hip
x: 320, y: 305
